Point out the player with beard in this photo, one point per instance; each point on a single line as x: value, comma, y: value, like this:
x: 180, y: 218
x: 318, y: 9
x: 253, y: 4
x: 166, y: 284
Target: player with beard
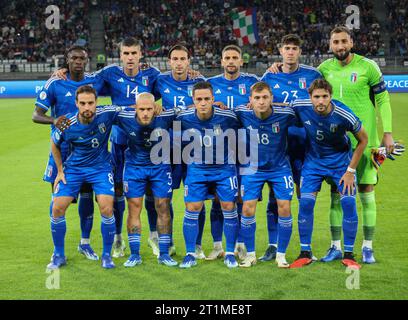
x: 358, y: 82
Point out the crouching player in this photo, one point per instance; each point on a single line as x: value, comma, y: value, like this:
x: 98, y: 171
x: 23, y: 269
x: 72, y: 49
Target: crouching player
x: 272, y: 167
x: 89, y: 162
x: 210, y: 164
x: 330, y: 156
x: 143, y: 130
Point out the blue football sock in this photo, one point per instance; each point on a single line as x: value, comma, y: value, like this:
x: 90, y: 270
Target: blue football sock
x: 86, y: 213
x: 118, y: 210
x: 248, y: 228
x: 171, y: 224
x: 108, y: 233
x: 272, y: 221
x: 201, y: 223
x: 190, y: 230
x: 151, y: 213
x: 284, y: 233
x: 58, y: 230
x: 305, y: 220
x: 134, y: 242
x: 217, y: 221
x: 231, y: 229
x: 164, y: 243
x: 240, y: 239
x: 350, y: 221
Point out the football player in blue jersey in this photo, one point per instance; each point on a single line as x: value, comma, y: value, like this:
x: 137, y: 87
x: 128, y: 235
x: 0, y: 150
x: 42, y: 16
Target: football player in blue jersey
x: 271, y: 123
x: 175, y: 87
x: 141, y: 125
x: 89, y: 162
x: 124, y: 83
x: 232, y: 88
x: 289, y: 83
x: 58, y: 96
x: 329, y: 156
x: 209, y: 167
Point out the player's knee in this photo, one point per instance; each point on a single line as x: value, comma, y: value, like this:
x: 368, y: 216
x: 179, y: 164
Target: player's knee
x: 162, y: 207
x: 248, y: 209
x: 284, y: 208
x: 228, y: 206
x: 58, y: 211
x: 106, y: 209
x: 194, y: 206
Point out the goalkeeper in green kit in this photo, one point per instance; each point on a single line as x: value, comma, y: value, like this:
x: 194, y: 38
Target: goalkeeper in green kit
x: 358, y: 83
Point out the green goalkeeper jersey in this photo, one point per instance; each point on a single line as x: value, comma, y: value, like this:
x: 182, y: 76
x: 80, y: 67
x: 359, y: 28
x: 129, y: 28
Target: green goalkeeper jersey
x: 360, y: 86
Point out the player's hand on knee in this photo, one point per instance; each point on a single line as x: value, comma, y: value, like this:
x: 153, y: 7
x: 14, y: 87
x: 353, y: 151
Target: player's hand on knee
x: 60, y: 73
x: 274, y: 68
x: 60, y: 177
x: 348, y: 182
x: 193, y: 74
x: 62, y: 123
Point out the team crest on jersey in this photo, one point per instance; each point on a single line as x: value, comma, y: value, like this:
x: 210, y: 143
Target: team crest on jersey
x: 49, y: 171
x: 302, y: 83
x: 43, y: 95
x: 242, y: 190
x: 353, y: 77
x: 275, y: 127
x: 145, y: 81
x: 186, y: 190
x: 125, y: 186
x: 333, y: 128
x: 102, y: 128
x: 190, y: 91
x: 217, y: 130
x: 242, y: 89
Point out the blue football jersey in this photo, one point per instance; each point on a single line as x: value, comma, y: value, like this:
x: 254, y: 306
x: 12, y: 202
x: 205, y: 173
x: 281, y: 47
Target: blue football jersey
x: 175, y: 94
x: 233, y: 93
x: 59, y: 95
x: 271, y: 149
x: 287, y: 87
x: 124, y: 89
x: 139, y: 136
x: 330, y: 146
x: 205, y: 135
x: 89, y: 142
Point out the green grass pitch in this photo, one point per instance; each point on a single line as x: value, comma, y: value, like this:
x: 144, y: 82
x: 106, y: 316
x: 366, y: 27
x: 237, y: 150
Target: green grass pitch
x: 26, y: 246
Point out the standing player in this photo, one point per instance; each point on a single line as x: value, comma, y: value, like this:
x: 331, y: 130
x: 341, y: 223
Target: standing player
x: 175, y: 87
x: 273, y: 167
x: 89, y: 162
x: 327, y: 122
x: 140, y: 125
x: 357, y: 82
x: 289, y: 83
x: 124, y: 83
x: 232, y: 88
x: 206, y: 124
x: 59, y: 96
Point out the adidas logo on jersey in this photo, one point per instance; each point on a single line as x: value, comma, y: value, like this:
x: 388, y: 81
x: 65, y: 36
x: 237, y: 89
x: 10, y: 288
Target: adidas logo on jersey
x: 68, y: 94
x: 121, y: 80
x: 218, y: 91
x: 308, y: 122
x: 276, y: 86
x: 167, y: 90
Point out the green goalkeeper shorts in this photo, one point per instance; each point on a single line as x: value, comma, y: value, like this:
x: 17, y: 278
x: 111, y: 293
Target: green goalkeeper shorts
x: 366, y: 172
